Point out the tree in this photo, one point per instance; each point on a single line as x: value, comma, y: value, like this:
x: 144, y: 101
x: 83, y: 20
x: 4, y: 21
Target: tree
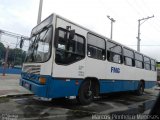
x: 16, y: 56
x: 2, y: 52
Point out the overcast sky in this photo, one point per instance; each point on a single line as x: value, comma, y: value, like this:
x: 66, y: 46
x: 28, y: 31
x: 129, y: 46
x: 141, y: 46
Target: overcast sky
x: 20, y: 16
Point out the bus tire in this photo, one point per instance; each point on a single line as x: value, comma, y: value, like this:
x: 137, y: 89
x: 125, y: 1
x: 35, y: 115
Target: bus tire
x: 86, y: 93
x: 140, y: 89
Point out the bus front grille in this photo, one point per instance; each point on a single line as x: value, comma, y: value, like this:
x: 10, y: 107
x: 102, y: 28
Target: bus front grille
x: 33, y: 69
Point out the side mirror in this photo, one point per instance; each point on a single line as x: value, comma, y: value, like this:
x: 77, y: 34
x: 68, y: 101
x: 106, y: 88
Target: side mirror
x: 71, y: 34
x: 21, y: 43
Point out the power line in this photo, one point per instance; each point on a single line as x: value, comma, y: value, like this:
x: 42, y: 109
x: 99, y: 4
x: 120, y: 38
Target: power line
x: 146, y: 13
x: 144, y: 45
x: 155, y: 25
x: 11, y: 34
x: 137, y: 11
x: 134, y: 9
x: 114, y: 13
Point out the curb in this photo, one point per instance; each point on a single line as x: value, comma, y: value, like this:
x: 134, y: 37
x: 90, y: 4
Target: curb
x: 15, y: 95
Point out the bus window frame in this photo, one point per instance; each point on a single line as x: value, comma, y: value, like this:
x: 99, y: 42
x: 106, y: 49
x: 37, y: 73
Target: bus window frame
x: 147, y: 63
x: 153, y: 65
x: 96, y: 46
x: 51, y: 42
x: 139, y: 60
x: 121, y: 55
x: 56, y: 48
x: 133, y: 59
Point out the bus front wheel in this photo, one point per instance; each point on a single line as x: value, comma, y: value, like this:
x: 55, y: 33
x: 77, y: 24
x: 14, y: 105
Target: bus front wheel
x: 86, y: 93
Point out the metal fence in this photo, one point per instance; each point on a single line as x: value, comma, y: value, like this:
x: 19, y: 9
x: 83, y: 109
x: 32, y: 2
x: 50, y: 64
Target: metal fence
x: 11, y: 55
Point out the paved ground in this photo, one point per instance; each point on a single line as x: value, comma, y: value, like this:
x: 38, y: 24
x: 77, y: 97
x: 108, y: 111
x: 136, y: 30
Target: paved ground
x: 32, y: 108
x: 9, y: 85
x: 9, y: 76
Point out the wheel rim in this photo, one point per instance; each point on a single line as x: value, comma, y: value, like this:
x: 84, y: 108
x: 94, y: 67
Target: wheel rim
x: 141, y: 90
x: 88, y: 94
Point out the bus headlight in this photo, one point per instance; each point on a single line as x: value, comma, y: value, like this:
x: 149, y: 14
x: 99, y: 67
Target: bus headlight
x: 42, y: 80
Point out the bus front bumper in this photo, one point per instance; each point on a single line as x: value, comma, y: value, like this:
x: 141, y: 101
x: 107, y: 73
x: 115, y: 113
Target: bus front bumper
x: 37, y: 89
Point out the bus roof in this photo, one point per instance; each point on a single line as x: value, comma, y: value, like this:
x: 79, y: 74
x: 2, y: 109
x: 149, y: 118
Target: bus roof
x: 91, y: 31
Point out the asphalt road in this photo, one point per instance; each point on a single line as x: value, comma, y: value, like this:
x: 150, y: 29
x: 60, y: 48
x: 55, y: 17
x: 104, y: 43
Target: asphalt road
x: 31, y: 107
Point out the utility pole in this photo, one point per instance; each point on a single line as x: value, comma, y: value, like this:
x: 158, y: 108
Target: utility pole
x: 112, y: 21
x: 39, y: 11
x: 15, y: 52
x: 5, y: 61
x: 139, y: 24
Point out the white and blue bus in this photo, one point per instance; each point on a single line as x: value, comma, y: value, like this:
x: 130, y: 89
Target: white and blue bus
x: 66, y: 59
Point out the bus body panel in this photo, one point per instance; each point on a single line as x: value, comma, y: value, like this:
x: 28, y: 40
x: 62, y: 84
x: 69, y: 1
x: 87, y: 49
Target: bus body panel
x: 37, y: 89
x: 65, y: 80
x: 103, y: 70
x: 54, y: 87
x: 73, y: 70
x: 108, y: 86
x: 60, y: 87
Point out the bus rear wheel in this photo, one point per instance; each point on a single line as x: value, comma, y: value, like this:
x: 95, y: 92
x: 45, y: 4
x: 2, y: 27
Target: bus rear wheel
x: 86, y: 93
x: 140, y: 89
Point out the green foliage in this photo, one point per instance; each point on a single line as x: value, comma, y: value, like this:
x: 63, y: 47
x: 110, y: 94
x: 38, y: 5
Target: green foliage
x: 158, y: 65
x: 2, y: 52
x: 15, y: 56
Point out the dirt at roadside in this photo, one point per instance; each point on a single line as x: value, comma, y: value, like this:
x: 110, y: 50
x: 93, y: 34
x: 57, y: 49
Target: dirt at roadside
x: 9, y: 76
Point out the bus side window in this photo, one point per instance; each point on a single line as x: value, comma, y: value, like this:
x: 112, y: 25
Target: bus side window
x: 133, y: 62
x: 69, y: 50
x: 139, y: 61
x: 128, y: 57
x: 96, y: 47
x: 114, y: 53
x: 147, y: 63
x: 153, y: 65
x: 91, y: 51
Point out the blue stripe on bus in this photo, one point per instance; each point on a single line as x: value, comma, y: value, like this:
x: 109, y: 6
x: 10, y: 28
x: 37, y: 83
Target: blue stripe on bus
x: 55, y: 88
x: 62, y: 88
x: 107, y: 86
x: 37, y: 89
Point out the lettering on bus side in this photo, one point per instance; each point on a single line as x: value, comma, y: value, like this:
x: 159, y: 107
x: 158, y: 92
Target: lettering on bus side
x: 115, y: 70
x: 81, y: 70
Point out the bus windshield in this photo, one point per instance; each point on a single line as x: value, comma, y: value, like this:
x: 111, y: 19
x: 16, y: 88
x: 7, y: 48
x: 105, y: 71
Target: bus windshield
x: 40, y: 48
